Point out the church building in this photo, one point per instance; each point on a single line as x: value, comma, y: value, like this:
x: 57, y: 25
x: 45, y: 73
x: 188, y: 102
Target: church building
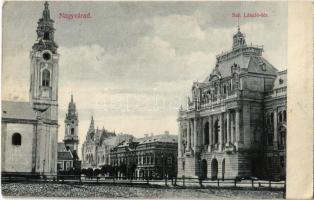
x: 30, y: 129
x: 68, y: 149
x: 235, y: 122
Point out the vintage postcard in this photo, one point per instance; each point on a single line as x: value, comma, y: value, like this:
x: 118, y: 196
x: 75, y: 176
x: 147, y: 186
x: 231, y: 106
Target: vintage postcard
x: 145, y: 99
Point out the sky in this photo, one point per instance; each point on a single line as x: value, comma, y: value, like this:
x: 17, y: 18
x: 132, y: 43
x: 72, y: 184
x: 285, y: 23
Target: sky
x: 132, y: 64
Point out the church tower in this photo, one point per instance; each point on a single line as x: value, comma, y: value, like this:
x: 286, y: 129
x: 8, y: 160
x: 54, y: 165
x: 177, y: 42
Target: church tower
x: 44, y: 69
x: 44, y: 92
x: 71, y: 140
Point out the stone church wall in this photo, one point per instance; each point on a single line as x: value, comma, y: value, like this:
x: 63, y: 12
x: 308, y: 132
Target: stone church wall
x: 17, y: 158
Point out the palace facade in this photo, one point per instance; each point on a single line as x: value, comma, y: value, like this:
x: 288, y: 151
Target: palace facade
x: 29, y: 130
x: 235, y: 121
x: 96, y: 148
x: 149, y: 157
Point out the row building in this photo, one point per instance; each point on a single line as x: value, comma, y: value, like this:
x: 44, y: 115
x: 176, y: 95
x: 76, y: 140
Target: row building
x: 153, y: 156
x: 234, y: 124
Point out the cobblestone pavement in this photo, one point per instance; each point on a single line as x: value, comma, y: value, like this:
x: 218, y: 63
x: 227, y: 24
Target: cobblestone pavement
x: 118, y: 191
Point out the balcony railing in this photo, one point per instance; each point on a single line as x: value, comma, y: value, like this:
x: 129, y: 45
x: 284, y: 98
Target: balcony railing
x: 196, y: 105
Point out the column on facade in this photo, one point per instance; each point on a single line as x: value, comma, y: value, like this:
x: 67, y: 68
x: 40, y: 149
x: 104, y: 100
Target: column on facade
x: 201, y: 132
x: 237, y: 126
x: 232, y: 128
x: 220, y: 131
x: 192, y: 133
x: 179, y: 140
x: 275, y: 127
x: 228, y: 127
x: 195, y: 134
x: 188, y: 136
x: 210, y: 129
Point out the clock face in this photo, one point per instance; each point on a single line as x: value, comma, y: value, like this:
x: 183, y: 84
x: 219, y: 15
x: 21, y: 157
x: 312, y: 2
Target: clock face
x: 46, y: 56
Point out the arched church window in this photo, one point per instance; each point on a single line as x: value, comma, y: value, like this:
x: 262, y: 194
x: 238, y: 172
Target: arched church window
x: 46, y: 78
x: 16, y: 139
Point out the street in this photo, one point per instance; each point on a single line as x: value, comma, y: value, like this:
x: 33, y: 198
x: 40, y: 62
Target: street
x: 118, y: 191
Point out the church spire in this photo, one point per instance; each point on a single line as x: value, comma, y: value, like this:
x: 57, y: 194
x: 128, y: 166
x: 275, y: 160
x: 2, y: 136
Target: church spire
x: 71, y: 109
x: 46, y: 12
x: 45, y: 32
x: 92, y: 126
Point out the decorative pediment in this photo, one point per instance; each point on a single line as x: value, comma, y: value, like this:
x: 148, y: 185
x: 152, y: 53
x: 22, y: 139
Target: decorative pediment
x: 215, y: 75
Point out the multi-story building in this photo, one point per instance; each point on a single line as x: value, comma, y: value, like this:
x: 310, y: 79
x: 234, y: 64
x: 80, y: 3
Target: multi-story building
x: 151, y: 156
x: 274, y: 136
x: 65, y: 158
x: 234, y: 124
x: 96, y: 148
x: 30, y: 129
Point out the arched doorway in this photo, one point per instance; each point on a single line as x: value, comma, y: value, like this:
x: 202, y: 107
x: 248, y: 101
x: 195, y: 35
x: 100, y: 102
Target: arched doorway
x: 206, y: 132
x: 214, y: 167
x: 223, y: 170
x: 203, y: 172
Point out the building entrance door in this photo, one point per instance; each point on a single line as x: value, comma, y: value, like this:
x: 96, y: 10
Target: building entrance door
x: 214, y: 168
x: 203, y: 172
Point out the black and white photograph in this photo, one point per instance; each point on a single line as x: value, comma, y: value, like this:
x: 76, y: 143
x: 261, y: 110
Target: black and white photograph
x: 143, y: 99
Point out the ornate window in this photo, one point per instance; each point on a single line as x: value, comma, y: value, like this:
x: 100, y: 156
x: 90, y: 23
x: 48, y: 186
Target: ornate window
x: 216, y: 131
x: 16, y: 139
x: 280, y: 116
x: 46, y: 78
x: 72, y: 131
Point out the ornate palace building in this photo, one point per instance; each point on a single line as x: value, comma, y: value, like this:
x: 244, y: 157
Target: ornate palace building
x: 30, y: 129
x: 96, y: 148
x: 235, y: 122
x: 148, y: 157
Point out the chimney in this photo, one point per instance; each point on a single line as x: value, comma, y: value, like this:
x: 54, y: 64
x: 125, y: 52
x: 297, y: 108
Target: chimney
x: 146, y: 135
x: 166, y: 132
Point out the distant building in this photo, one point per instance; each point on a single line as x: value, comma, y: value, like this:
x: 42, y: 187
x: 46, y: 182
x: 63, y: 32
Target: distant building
x: 235, y: 122
x: 29, y: 130
x: 151, y: 156
x: 65, y: 158
x: 96, y: 148
x: 103, y: 151
x: 70, y: 141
